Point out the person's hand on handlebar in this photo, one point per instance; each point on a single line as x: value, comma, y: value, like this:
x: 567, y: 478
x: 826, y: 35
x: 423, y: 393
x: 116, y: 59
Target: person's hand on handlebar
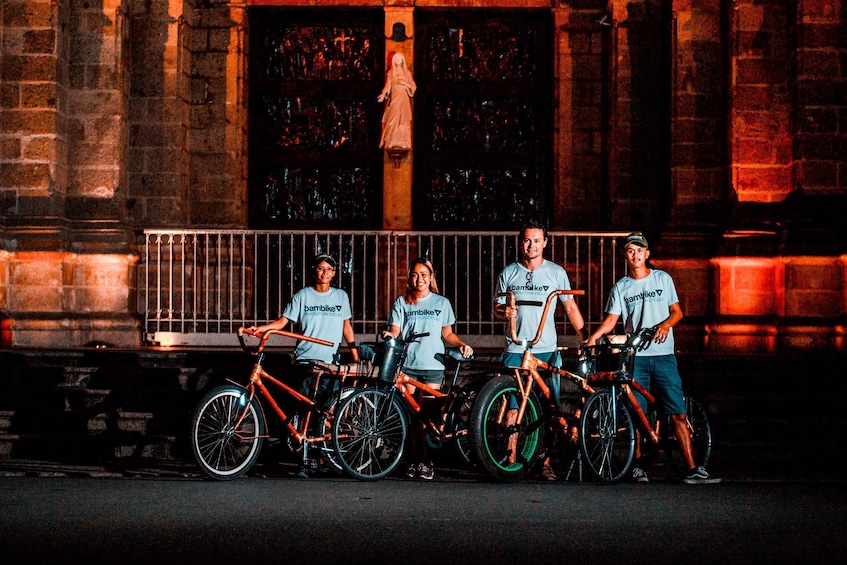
x: 392, y: 331
x: 505, y: 310
x: 277, y: 324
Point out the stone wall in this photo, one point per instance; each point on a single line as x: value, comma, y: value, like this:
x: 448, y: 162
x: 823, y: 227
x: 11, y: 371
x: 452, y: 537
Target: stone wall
x: 120, y: 115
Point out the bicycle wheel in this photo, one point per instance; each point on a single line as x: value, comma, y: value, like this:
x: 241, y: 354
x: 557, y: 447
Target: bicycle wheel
x: 505, y: 449
x: 369, y: 433
x: 461, y: 420
x: 227, y: 432
x: 701, y: 437
x: 324, y: 427
x: 607, y: 435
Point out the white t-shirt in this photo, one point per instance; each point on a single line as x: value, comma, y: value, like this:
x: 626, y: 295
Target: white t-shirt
x: 643, y: 303
x: 534, y: 286
x: 320, y: 315
x: 430, y: 314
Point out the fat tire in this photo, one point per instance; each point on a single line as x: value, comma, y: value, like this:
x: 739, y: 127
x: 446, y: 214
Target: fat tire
x: 489, y: 433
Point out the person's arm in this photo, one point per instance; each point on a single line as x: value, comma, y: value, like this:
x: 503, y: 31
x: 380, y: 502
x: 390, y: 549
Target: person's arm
x: 606, y: 326
x: 453, y: 340
x: 277, y: 324
x: 575, y: 318
x: 393, y: 331
x: 663, y: 329
x: 350, y: 338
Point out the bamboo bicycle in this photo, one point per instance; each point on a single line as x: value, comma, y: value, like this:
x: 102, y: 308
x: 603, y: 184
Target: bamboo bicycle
x: 611, y: 415
x: 371, y: 425
x: 229, y: 424
x: 510, y: 427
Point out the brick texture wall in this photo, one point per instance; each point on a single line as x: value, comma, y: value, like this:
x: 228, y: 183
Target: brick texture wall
x: 716, y: 127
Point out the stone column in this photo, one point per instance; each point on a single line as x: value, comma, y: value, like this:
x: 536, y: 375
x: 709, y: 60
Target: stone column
x: 68, y: 257
x: 211, y: 102
x: 698, y: 119
x: 761, y: 135
x: 397, y: 169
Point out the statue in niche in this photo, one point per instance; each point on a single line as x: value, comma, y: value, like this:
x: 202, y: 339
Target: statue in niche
x: 397, y: 94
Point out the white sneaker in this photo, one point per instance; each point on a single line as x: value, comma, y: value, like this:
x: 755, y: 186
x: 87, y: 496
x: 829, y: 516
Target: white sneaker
x: 639, y: 475
x: 699, y: 476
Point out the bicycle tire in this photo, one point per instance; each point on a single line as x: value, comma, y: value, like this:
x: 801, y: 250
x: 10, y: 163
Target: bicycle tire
x: 456, y: 426
x: 324, y: 427
x: 606, y: 437
x: 461, y: 431
x: 701, y: 437
x: 227, y: 432
x: 369, y: 434
x: 490, y: 433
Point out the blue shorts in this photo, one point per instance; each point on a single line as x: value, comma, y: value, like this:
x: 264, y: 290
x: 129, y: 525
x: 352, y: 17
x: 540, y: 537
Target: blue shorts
x: 552, y: 358
x: 659, y: 375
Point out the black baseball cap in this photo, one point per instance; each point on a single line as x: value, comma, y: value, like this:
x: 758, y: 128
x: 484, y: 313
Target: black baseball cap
x: 636, y: 238
x: 326, y: 258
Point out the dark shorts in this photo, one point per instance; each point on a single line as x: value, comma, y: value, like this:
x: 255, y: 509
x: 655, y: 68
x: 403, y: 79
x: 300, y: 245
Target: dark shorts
x: 552, y: 358
x: 659, y: 375
x: 428, y: 377
x: 326, y: 388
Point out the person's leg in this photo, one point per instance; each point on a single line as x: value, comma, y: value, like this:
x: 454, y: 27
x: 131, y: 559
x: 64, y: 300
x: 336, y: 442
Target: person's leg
x: 668, y: 391
x: 642, y: 374
x: 667, y: 388
x: 420, y: 450
x: 511, y: 361
x: 552, y: 381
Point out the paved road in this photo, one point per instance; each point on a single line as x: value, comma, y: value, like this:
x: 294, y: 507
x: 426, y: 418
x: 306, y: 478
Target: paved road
x: 336, y: 520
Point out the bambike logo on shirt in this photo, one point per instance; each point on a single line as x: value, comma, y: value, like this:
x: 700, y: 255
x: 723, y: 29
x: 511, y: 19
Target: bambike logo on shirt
x: 424, y: 313
x: 530, y: 288
x: 647, y: 296
x: 323, y: 310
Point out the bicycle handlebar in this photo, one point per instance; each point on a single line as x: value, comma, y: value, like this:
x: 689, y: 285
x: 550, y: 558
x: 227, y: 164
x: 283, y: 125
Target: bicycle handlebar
x: 263, y: 338
x: 513, y: 303
x: 639, y: 341
x: 414, y: 337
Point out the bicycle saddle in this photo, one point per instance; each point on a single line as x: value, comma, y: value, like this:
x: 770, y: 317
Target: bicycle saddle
x: 454, y: 354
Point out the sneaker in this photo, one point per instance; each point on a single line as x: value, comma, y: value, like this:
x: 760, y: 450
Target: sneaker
x: 699, y: 476
x: 302, y: 473
x: 640, y: 475
x: 548, y: 473
x: 412, y: 471
x: 426, y: 472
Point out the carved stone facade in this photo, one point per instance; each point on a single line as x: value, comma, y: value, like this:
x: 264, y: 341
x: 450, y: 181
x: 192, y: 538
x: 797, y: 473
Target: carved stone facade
x: 716, y: 127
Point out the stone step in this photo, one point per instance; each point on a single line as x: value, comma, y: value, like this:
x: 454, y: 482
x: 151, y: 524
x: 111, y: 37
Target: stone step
x: 126, y: 422
x: 6, y: 420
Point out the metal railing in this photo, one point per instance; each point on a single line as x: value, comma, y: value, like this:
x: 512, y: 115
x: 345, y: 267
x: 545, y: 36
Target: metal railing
x: 196, y: 287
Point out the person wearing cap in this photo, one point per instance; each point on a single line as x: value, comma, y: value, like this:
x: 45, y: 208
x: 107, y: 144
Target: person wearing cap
x: 322, y: 311
x: 532, y: 279
x: 646, y: 298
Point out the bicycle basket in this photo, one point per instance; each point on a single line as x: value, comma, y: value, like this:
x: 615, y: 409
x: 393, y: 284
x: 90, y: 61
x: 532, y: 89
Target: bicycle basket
x: 586, y: 366
x: 389, y: 358
x: 605, y: 358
